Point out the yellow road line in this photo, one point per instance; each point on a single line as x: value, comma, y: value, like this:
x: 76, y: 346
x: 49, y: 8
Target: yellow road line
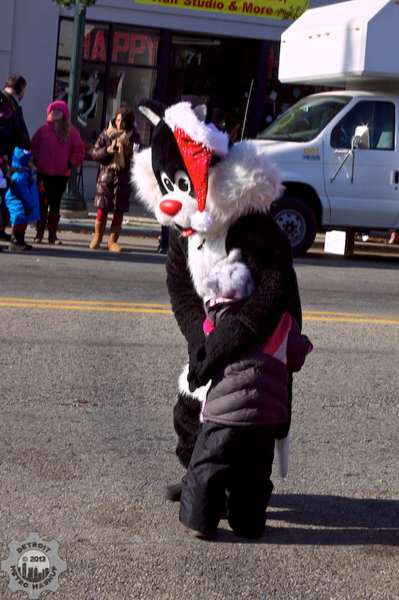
x: 106, y: 306
x: 83, y: 302
x: 370, y: 321
x: 86, y: 308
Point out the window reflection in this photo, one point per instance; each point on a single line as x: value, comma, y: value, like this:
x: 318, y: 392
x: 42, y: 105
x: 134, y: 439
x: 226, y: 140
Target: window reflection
x: 118, y: 67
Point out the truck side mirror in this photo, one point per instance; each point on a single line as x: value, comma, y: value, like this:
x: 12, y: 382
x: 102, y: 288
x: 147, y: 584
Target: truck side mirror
x: 361, y: 138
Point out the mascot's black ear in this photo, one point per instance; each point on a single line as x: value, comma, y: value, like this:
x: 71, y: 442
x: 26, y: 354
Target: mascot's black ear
x: 200, y: 111
x: 153, y: 110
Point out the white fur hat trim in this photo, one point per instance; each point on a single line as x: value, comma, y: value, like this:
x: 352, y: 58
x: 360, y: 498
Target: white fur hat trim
x: 182, y: 116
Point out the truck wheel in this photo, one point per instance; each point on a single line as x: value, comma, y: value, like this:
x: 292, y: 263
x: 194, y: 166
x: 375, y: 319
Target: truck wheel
x: 298, y: 222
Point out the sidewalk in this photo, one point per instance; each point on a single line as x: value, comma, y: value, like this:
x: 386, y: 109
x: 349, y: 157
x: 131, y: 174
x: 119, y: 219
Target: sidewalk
x: 132, y: 225
x: 139, y: 223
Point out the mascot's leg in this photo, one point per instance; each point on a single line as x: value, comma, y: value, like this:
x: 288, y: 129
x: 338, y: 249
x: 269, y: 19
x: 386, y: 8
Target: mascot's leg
x: 186, y: 421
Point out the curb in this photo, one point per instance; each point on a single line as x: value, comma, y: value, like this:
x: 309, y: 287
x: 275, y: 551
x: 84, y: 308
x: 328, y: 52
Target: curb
x: 138, y: 229
x: 147, y: 227
x: 364, y: 247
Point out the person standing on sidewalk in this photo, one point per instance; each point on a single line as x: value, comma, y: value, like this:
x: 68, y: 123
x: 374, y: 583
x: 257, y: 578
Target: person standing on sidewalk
x: 114, y: 150
x: 13, y: 132
x: 22, y: 198
x: 57, y: 148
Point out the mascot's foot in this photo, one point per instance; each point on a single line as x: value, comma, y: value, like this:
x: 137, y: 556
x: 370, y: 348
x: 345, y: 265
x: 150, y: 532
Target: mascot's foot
x: 173, y: 492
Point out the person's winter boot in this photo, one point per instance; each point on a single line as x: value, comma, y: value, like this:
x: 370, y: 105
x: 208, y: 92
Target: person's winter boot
x: 112, y: 242
x: 21, y: 238
x: 52, y: 225
x: 99, y: 228
x: 17, y: 242
x: 14, y: 245
x: 41, y: 225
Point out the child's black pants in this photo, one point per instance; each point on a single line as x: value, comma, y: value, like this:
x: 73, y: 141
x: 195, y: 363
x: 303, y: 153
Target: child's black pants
x: 229, y: 472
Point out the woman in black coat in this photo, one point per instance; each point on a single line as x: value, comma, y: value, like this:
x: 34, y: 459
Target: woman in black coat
x: 114, y: 151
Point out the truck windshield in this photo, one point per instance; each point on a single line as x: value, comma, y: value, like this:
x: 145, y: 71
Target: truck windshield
x: 306, y: 119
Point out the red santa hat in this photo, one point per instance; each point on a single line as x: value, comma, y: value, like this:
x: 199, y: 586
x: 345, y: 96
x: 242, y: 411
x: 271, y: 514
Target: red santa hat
x: 198, y: 142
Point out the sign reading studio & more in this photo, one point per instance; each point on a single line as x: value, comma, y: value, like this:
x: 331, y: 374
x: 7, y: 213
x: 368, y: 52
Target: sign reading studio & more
x: 271, y: 9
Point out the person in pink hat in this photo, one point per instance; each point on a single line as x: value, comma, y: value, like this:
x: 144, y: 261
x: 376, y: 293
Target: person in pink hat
x: 56, y: 147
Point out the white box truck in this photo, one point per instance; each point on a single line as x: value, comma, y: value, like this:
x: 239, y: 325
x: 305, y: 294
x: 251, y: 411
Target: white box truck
x: 338, y: 151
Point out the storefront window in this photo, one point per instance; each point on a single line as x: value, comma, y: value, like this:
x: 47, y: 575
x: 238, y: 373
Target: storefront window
x: 118, y: 67
x: 135, y: 47
x: 90, y: 99
x: 217, y: 71
x: 128, y: 86
x: 94, y: 45
x: 279, y: 97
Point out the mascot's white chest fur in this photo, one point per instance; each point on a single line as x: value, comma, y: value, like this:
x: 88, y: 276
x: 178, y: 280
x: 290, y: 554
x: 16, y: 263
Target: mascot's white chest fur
x: 202, y: 256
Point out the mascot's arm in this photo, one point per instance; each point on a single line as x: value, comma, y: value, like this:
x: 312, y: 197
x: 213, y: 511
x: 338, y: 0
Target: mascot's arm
x: 186, y: 304
x: 267, y: 253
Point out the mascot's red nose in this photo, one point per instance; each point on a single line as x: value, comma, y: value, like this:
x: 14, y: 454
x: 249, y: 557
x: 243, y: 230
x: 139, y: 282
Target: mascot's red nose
x: 170, y: 207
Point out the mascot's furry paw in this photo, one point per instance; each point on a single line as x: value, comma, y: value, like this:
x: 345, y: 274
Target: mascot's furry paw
x: 199, y: 394
x: 230, y: 278
x: 283, y: 449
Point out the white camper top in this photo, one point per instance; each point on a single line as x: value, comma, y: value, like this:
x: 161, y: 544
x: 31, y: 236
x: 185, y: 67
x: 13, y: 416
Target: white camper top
x: 350, y: 44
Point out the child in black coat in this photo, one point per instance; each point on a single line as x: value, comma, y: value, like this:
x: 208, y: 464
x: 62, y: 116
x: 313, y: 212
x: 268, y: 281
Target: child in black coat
x: 246, y: 408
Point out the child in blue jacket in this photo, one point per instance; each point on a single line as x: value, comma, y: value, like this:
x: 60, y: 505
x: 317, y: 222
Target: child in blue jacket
x: 22, y: 199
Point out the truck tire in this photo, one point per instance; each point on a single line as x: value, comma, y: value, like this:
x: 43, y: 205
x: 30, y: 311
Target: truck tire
x: 298, y: 222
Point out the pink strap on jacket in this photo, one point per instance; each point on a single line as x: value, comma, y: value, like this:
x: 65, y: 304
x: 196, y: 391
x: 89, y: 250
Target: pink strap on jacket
x: 276, y: 344
x: 207, y: 326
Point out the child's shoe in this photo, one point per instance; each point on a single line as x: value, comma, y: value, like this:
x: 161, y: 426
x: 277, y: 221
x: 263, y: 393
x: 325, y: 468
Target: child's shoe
x: 17, y: 244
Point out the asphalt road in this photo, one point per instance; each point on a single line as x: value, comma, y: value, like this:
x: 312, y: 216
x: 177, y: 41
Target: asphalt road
x: 88, y: 370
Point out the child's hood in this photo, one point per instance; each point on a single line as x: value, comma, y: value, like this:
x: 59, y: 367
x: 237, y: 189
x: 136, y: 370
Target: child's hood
x: 21, y: 158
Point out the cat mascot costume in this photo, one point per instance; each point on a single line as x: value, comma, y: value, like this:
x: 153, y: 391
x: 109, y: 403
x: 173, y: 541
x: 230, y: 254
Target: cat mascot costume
x: 215, y: 197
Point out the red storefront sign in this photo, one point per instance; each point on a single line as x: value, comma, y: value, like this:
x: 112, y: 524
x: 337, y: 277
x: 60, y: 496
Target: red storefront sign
x: 134, y: 48
x: 131, y: 48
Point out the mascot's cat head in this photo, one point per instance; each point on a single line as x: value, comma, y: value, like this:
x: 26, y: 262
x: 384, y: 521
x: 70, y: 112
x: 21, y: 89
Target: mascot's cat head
x: 190, y: 177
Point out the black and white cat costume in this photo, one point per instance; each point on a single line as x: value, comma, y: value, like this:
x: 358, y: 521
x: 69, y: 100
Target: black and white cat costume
x: 215, y: 198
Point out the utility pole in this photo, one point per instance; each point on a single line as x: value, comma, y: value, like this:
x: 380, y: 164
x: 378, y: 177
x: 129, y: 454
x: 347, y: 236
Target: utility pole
x: 73, y: 203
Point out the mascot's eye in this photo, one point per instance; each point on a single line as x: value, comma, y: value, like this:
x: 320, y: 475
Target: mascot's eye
x: 182, y: 181
x: 167, y: 182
